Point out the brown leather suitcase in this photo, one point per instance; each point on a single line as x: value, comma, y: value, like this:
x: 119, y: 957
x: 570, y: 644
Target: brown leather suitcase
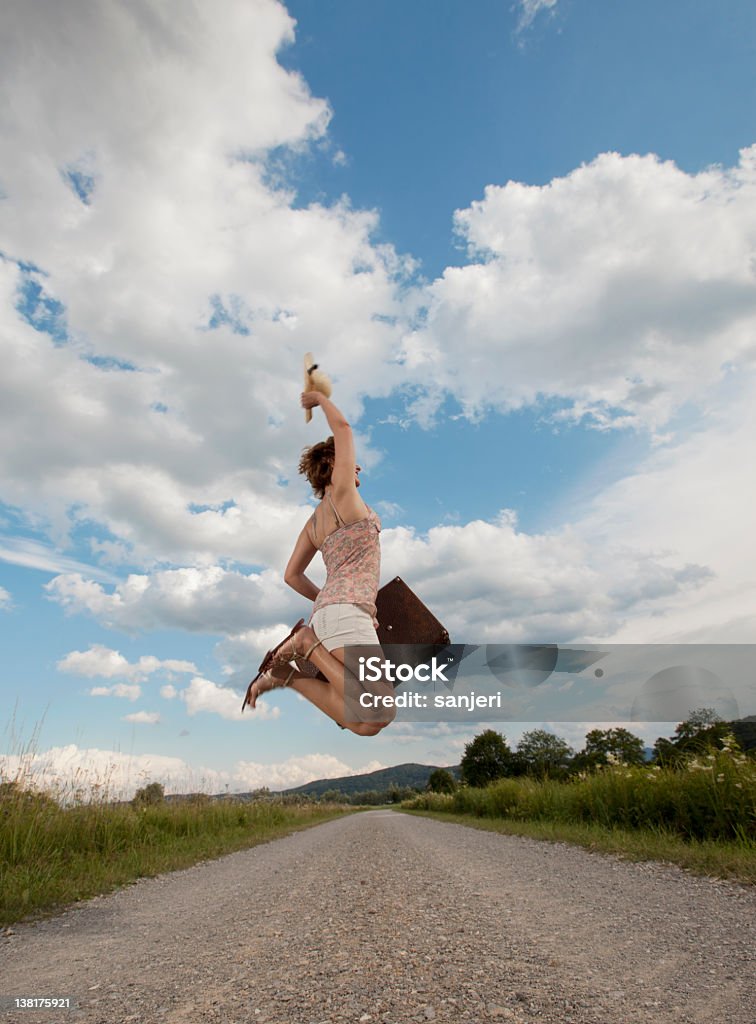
x: 404, y: 619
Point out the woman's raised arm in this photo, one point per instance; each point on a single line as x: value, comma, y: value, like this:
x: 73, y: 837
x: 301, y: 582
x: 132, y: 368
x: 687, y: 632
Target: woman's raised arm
x: 342, y: 477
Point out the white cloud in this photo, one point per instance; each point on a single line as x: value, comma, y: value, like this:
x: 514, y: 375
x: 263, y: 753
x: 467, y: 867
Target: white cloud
x: 243, y: 651
x: 108, y: 774
x: 106, y: 663
x: 5, y: 599
x: 143, y: 717
x: 168, y: 692
x: 207, y: 599
x: 660, y: 555
x: 490, y: 582
x: 73, y: 771
x: 202, y: 695
x: 130, y: 691
x: 530, y: 9
x: 456, y: 569
x: 691, y: 500
x: 169, y: 415
x: 625, y: 557
x: 34, y: 555
x: 620, y: 293
x: 296, y: 771
x: 623, y: 290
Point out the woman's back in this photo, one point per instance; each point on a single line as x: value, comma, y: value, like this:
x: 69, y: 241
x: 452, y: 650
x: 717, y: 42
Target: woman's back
x: 352, y: 555
x: 326, y: 519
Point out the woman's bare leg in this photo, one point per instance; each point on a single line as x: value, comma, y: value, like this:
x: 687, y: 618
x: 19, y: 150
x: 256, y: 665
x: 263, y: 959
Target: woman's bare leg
x: 322, y: 695
x: 329, y: 696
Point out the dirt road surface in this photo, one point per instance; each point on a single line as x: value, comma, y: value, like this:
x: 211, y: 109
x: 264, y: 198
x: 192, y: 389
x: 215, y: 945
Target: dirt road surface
x: 381, y: 918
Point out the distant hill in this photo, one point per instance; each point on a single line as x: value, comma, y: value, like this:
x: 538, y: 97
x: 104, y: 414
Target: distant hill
x: 415, y: 775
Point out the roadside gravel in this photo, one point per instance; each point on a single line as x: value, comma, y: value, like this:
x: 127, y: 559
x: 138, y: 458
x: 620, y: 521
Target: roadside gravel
x: 381, y: 918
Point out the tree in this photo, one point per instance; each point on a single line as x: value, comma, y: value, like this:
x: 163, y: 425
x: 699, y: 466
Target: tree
x: 702, y: 730
x: 486, y: 758
x: 604, y: 745
x: 698, y: 720
x: 441, y: 781
x: 543, y: 754
x: 332, y: 796
x: 666, y: 753
x: 152, y: 793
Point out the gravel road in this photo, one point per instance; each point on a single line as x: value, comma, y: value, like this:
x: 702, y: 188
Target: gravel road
x: 382, y: 917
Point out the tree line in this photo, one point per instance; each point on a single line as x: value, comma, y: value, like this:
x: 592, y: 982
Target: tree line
x: 541, y: 754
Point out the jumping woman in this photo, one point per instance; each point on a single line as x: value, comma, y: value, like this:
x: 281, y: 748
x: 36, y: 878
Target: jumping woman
x: 347, y: 533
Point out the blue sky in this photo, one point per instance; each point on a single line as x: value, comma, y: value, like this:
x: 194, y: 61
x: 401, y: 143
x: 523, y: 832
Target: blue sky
x: 520, y: 237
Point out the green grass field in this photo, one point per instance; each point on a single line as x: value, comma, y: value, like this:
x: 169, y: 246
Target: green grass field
x: 701, y: 816
x: 51, y: 856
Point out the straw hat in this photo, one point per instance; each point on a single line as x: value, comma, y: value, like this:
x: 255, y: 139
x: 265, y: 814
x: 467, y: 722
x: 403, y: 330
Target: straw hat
x: 314, y: 380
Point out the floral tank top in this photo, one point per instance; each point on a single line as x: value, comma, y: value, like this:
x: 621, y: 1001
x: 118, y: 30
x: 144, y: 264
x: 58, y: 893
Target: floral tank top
x: 352, y: 556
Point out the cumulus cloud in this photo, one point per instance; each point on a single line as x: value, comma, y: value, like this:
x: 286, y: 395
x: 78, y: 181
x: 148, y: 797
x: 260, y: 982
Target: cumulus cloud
x: 491, y: 582
x: 622, y: 290
x: 661, y: 555
x: 690, y: 502
x: 203, y: 695
x: 296, y: 771
x: 156, y: 269
x: 143, y: 717
x: 239, y: 652
x: 487, y: 580
x: 130, y: 691
x: 174, y: 384
x: 106, y: 663
x: 658, y: 556
x: 557, y: 585
x: 71, y: 771
x: 207, y: 600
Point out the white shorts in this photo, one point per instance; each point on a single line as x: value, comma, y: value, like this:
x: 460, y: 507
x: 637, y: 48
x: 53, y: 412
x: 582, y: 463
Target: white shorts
x: 338, y: 625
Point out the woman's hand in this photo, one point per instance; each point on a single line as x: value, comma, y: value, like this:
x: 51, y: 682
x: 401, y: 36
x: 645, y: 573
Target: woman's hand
x: 309, y: 399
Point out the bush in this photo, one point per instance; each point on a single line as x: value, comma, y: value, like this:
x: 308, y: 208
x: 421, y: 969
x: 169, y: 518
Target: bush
x: 153, y: 793
x: 712, y: 796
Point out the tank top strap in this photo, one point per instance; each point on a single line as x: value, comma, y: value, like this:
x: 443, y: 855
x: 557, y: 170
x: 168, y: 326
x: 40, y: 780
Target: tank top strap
x: 339, y: 520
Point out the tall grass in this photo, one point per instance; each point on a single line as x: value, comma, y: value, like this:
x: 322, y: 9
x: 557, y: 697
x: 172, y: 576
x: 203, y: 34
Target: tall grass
x: 713, y: 797
x: 52, y: 855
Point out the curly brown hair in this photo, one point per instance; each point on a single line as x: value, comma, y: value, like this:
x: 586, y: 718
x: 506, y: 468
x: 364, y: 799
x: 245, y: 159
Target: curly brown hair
x: 317, y: 464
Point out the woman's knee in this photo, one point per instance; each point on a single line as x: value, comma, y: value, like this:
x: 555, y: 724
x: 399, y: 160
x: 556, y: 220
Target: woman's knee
x: 368, y: 728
